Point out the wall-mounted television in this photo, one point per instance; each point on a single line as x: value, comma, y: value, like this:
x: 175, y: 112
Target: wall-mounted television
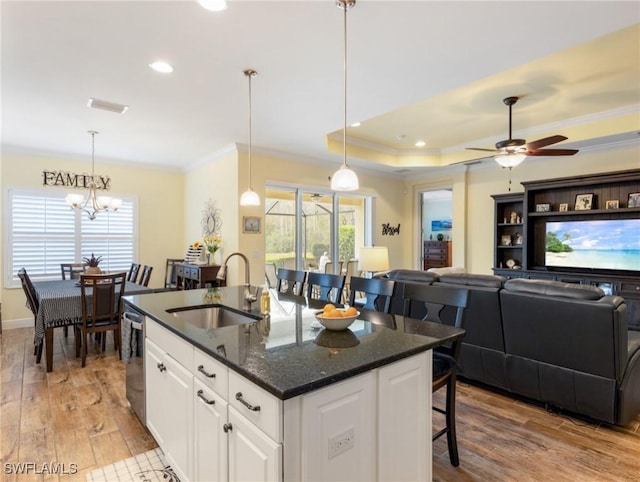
x: 612, y: 244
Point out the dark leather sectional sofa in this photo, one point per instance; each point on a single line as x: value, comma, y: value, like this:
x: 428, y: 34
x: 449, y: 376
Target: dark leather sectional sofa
x: 559, y: 343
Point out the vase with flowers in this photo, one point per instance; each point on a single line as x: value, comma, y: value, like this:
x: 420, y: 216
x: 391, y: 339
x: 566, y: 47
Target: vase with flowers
x: 212, y: 243
x: 92, y: 264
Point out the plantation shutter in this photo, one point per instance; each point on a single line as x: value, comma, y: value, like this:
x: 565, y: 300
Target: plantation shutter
x: 42, y: 231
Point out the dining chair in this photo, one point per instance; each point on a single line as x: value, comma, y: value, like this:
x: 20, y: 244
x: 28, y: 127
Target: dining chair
x: 325, y: 286
x: 377, y: 293
x: 146, y: 275
x: 290, y: 281
x: 350, y: 270
x: 448, y: 303
x: 33, y: 304
x: 132, y: 275
x: 271, y: 274
x: 329, y: 267
x: 72, y: 270
x: 170, y: 272
x: 101, y: 309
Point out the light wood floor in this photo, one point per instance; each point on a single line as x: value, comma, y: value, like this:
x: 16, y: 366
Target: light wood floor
x: 81, y: 416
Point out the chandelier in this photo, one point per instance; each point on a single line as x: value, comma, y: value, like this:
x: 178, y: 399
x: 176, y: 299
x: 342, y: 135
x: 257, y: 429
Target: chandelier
x: 93, y: 203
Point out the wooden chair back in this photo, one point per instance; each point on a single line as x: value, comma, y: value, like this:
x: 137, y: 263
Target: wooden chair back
x: 325, y: 286
x: 72, y: 270
x: 377, y: 293
x: 101, y: 306
x: 170, y: 273
x: 33, y: 303
x: 146, y: 275
x: 290, y: 281
x: 132, y: 275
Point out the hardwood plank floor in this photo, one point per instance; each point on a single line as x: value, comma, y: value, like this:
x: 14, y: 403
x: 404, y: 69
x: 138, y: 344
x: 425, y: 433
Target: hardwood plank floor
x: 72, y: 415
x: 81, y: 416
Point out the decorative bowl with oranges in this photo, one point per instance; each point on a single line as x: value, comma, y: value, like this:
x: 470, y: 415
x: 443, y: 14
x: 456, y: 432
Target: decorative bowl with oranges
x: 333, y: 318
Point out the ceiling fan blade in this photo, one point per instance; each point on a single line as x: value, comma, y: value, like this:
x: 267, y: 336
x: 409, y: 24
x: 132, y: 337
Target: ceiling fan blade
x: 480, y: 149
x: 552, y: 152
x: 547, y: 141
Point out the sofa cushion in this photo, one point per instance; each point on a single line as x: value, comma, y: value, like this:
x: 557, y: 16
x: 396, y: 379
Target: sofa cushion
x: 467, y: 279
x: 446, y: 269
x: 554, y: 288
x: 412, y: 275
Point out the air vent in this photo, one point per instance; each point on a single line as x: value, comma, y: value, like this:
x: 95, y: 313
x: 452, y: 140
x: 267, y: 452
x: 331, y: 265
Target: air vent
x: 106, y: 105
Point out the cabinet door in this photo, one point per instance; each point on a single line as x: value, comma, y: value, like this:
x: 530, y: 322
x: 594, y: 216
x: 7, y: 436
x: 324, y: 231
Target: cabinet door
x: 404, y: 404
x: 178, y: 414
x: 210, y: 441
x: 253, y: 457
x: 155, y: 391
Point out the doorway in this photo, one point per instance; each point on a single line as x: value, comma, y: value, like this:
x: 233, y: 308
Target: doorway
x: 436, y: 214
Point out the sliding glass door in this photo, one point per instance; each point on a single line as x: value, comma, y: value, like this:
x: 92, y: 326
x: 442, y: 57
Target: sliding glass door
x: 313, y: 230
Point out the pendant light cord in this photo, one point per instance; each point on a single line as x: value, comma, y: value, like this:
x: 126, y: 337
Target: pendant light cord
x: 250, y: 73
x: 344, y: 132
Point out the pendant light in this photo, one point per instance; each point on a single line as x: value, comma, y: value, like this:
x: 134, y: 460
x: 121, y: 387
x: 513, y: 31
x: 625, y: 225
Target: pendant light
x: 250, y: 197
x: 93, y: 203
x: 344, y: 179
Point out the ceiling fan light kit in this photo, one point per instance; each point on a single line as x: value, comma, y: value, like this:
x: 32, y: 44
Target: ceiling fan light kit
x: 511, y: 152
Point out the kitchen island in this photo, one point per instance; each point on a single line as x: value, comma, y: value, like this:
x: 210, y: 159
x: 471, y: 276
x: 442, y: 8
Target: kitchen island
x: 280, y: 399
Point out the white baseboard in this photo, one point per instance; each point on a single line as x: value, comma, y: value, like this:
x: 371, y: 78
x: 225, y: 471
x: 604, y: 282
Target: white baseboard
x: 13, y: 324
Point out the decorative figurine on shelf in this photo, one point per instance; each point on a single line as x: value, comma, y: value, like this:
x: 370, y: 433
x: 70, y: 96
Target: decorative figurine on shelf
x: 514, y: 217
x: 519, y: 239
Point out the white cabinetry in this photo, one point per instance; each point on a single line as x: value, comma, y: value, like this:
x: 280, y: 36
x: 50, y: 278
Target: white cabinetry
x: 169, y: 392
x: 210, y: 440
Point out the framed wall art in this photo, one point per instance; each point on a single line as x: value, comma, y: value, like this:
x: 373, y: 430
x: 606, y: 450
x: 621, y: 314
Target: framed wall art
x: 251, y: 224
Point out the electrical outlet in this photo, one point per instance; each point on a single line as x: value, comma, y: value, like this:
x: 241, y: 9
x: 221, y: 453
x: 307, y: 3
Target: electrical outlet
x: 341, y: 443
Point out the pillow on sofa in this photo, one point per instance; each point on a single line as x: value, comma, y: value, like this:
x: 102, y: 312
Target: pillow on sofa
x: 554, y: 288
x: 445, y: 270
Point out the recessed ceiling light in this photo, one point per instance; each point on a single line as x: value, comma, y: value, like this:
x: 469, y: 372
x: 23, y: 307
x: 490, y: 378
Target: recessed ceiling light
x: 355, y: 124
x: 162, y: 67
x: 421, y: 144
x: 213, y: 5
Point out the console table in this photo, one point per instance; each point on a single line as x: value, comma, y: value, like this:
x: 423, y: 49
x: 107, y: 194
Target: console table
x: 193, y: 276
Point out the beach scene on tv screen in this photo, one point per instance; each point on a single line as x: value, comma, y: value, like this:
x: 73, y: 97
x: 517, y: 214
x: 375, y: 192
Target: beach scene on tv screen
x: 598, y: 244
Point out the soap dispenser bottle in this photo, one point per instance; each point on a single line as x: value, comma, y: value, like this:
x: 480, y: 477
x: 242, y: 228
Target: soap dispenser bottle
x: 265, y: 301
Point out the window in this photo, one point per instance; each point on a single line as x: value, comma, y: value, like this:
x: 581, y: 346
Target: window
x: 41, y: 231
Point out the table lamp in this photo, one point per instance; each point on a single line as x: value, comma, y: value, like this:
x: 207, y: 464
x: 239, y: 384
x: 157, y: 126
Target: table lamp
x: 373, y: 259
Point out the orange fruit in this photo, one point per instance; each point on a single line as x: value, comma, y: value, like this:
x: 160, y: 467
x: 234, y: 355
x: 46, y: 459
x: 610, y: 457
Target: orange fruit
x: 351, y: 311
x: 334, y: 313
x: 328, y: 307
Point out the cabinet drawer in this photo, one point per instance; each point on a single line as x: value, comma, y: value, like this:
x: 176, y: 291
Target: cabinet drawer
x: 211, y: 373
x: 192, y: 272
x: 434, y: 256
x: 172, y: 344
x: 435, y: 251
x: 180, y: 271
x: 268, y: 418
x: 630, y: 287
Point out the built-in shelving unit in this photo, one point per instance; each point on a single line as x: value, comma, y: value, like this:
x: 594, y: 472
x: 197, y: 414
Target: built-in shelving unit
x: 555, y: 200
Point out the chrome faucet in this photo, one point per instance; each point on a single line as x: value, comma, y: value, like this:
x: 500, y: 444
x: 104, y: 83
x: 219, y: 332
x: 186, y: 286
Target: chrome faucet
x: 222, y: 275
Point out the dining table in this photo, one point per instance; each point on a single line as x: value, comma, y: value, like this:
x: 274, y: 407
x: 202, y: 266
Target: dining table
x: 60, y: 304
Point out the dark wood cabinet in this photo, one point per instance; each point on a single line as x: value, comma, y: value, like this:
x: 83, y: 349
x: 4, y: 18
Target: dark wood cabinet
x: 550, y: 200
x: 193, y: 276
x: 437, y: 254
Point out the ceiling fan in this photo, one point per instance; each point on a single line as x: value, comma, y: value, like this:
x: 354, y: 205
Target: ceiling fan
x: 511, y: 152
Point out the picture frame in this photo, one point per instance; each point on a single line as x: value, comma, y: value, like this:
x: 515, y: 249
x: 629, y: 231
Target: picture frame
x: 505, y: 240
x: 584, y: 202
x: 612, y: 204
x: 251, y: 224
x: 564, y: 207
x: 543, y: 208
x: 634, y: 200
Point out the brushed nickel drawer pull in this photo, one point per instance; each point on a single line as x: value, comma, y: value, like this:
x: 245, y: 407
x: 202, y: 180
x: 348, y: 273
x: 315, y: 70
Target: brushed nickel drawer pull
x: 161, y: 367
x: 247, y: 404
x: 205, y: 373
x: 204, y: 399
x: 227, y: 427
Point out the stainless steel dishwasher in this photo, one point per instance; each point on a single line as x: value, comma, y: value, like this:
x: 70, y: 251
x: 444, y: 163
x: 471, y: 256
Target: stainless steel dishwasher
x: 133, y: 324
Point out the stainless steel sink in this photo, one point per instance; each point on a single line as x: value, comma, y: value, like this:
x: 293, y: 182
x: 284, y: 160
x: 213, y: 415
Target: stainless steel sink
x: 207, y: 317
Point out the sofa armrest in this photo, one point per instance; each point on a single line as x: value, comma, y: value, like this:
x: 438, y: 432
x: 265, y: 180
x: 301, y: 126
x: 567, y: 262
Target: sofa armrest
x: 629, y: 388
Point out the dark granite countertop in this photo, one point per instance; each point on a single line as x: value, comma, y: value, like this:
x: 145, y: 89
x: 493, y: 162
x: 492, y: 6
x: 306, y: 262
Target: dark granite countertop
x: 290, y: 354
